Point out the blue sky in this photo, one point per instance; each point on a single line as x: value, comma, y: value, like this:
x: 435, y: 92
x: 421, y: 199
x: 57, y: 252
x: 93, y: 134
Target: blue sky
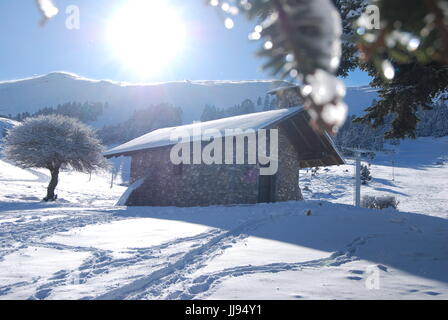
x: 211, y: 52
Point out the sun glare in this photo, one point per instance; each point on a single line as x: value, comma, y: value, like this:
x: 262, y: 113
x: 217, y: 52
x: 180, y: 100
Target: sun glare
x: 146, y: 35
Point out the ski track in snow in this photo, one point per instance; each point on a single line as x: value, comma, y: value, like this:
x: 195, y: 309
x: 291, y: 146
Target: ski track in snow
x: 28, y: 232
x: 102, y: 261
x: 31, y: 233
x: 171, y: 270
x: 157, y: 285
x: 194, y: 287
x: 177, y: 267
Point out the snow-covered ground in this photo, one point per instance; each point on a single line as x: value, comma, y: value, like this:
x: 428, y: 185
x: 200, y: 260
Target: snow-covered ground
x: 417, y: 175
x: 6, y: 124
x: 84, y: 247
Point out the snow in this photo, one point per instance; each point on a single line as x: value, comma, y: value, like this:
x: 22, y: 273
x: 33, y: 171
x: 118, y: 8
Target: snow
x: 22, y: 187
x: 84, y: 247
x: 133, y: 233
x: 6, y: 124
x: 162, y: 137
x: 33, y: 263
x: 417, y: 180
x: 124, y: 198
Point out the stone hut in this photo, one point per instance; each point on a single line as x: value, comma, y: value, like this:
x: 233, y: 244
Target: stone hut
x: 157, y: 180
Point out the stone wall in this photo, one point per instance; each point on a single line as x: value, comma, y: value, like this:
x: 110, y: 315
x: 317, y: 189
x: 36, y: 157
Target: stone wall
x: 200, y: 185
x: 287, y: 182
x: 197, y: 185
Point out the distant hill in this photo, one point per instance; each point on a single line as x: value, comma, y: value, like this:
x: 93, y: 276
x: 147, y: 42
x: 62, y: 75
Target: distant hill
x: 360, y: 98
x: 35, y: 93
x: 32, y: 94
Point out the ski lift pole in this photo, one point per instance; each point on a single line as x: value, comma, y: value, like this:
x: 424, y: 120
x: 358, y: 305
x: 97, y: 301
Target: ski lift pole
x: 358, y: 153
x: 112, y: 178
x: 393, y: 166
x: 358, y: 180
x: 391, y: 152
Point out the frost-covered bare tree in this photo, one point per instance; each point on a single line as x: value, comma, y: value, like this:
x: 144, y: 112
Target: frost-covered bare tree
x: 54, y: 142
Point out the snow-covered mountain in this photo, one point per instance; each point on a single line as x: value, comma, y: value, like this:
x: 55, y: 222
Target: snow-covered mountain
x: 360, y: 98
x: 32, y: 94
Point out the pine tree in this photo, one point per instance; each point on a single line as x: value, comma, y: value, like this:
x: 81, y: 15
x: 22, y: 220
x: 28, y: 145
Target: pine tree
x: 247, y: 106
x: 350, y: 11
x: 412, y: 90
x: 365, y: 174
x: 412, y: 43
x: 267, y: 103
x: 145, y: 120
x: 209, y: 113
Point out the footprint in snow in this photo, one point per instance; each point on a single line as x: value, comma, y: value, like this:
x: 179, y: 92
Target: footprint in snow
x: 61, y: 274
x: 356, y: 271
x: 354, y: 278
x: 4, y: 291
x: 42, y: 294
x: 381, y: 267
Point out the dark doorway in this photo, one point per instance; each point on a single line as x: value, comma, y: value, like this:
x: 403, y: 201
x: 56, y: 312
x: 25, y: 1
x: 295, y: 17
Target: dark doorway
x: 266, y: 188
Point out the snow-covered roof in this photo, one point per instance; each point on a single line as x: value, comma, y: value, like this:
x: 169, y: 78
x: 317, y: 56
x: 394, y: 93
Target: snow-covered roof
x: 283, y: 89
x: 162, y: 137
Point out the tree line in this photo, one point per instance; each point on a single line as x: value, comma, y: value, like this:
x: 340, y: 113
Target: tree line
x: 85, y: 112
x: 141, y: 121
x: 211, y: 112
x: 430, y: 123
x: 351, y: 135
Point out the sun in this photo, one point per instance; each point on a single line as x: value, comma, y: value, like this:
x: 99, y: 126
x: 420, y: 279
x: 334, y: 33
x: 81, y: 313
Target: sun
x: 146, y: 35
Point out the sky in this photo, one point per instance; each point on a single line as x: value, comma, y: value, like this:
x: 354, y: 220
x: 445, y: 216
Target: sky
x: 209, y: 51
